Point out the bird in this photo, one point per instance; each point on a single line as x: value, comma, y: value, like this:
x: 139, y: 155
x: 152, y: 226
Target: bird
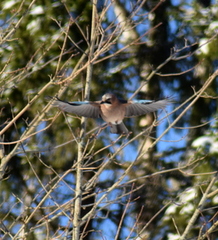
x: 112, y: 109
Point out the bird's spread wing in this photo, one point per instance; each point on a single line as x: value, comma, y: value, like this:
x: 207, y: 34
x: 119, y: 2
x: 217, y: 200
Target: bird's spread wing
x: 85, y: 109
x: 141, y: 107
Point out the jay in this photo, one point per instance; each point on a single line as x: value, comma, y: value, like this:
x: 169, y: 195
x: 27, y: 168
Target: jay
x: 112, y: 109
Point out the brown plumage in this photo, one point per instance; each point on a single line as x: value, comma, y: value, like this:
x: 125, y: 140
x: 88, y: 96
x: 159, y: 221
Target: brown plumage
x: 112, y: 110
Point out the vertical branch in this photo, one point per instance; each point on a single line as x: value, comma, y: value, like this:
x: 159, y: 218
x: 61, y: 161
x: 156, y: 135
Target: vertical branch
x: 79, y: 172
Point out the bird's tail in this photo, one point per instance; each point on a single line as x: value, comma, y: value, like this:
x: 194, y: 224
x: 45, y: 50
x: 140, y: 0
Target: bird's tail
x: 119, y: 128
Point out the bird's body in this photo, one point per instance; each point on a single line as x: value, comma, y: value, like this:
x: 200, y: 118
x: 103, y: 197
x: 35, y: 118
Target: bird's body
x: 112, y: 113
x: 112, y: 110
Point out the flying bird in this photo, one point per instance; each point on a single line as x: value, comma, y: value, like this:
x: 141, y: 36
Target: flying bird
x: 112, y: 109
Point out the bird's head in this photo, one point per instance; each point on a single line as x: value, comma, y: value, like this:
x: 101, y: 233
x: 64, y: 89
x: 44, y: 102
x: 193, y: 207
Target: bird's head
x: 108, y: 98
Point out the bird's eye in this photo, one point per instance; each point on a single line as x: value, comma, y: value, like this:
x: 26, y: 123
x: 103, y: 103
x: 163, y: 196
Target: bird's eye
x: 108, y: 100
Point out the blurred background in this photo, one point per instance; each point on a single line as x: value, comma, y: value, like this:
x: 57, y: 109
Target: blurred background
x: 143, y: 49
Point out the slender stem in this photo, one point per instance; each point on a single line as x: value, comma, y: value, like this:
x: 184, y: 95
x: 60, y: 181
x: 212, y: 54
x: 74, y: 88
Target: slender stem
x: 79, y: 172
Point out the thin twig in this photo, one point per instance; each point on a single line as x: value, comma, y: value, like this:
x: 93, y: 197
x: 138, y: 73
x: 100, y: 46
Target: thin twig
x: 199, y: 208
